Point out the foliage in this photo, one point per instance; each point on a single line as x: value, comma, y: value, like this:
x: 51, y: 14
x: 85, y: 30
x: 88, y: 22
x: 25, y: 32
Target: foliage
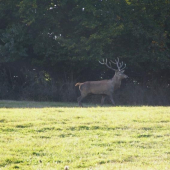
x: 14, y: 47
x: 67, y: 38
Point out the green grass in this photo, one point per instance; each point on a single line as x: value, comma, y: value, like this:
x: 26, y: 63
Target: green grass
x: 42, y: 135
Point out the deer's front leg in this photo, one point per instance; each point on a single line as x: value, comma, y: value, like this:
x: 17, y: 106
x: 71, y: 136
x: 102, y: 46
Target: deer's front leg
x: 111, y: 98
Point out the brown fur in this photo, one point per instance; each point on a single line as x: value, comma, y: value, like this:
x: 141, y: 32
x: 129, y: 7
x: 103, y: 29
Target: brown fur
x: 103, y: 87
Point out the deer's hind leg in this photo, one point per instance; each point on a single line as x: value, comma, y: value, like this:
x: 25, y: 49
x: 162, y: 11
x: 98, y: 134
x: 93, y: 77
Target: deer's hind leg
x: 79, y: 99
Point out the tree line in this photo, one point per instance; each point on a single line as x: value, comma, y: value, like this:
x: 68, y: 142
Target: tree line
x: 46, y: 46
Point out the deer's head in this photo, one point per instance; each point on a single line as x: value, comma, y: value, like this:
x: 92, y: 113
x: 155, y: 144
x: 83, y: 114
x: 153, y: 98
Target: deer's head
x: 119, y: 72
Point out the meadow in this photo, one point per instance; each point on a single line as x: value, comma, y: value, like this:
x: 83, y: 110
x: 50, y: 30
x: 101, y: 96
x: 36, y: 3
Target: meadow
x: 50, y: 135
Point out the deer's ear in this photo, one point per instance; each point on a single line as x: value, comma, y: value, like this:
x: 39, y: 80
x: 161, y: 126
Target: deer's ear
x: 122, y: 71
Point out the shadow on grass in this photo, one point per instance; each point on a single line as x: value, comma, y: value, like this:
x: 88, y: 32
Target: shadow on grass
x: 33, y: 104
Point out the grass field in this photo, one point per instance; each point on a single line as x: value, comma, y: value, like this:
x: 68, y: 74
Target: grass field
x: 47, y: 136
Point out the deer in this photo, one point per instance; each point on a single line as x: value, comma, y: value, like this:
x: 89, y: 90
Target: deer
x: 103, y: 87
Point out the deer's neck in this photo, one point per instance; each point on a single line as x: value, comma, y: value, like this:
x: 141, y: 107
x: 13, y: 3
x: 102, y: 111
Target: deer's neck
x: 116, y: 81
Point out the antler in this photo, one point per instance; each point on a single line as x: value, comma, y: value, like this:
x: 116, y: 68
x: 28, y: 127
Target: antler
x: 119, y: 65
x: 105, y: 63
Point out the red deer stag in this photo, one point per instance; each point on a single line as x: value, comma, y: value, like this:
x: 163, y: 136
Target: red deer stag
x: 103, y: 87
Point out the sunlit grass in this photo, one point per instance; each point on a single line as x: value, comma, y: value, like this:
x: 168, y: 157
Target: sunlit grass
x: 35, y: 135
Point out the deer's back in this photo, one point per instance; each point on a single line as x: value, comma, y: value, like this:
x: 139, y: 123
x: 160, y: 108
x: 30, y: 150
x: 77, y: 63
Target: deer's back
x: 97, y: 87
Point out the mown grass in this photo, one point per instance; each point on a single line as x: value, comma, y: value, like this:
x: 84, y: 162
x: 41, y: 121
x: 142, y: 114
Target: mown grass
x: 42, y: 135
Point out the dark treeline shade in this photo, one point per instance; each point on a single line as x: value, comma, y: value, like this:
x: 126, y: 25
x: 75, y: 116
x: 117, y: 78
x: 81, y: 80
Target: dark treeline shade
x: 46, y: 46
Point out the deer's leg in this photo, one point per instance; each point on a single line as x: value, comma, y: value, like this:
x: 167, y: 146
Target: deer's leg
x: 111, y: 98
x: 102, y: 100
x: 79, y: 99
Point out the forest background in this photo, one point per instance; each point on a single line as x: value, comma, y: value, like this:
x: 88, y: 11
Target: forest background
x: 46, y: 46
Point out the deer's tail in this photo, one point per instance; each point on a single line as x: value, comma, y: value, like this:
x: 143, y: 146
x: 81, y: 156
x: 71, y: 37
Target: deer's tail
x: 77, y: 84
